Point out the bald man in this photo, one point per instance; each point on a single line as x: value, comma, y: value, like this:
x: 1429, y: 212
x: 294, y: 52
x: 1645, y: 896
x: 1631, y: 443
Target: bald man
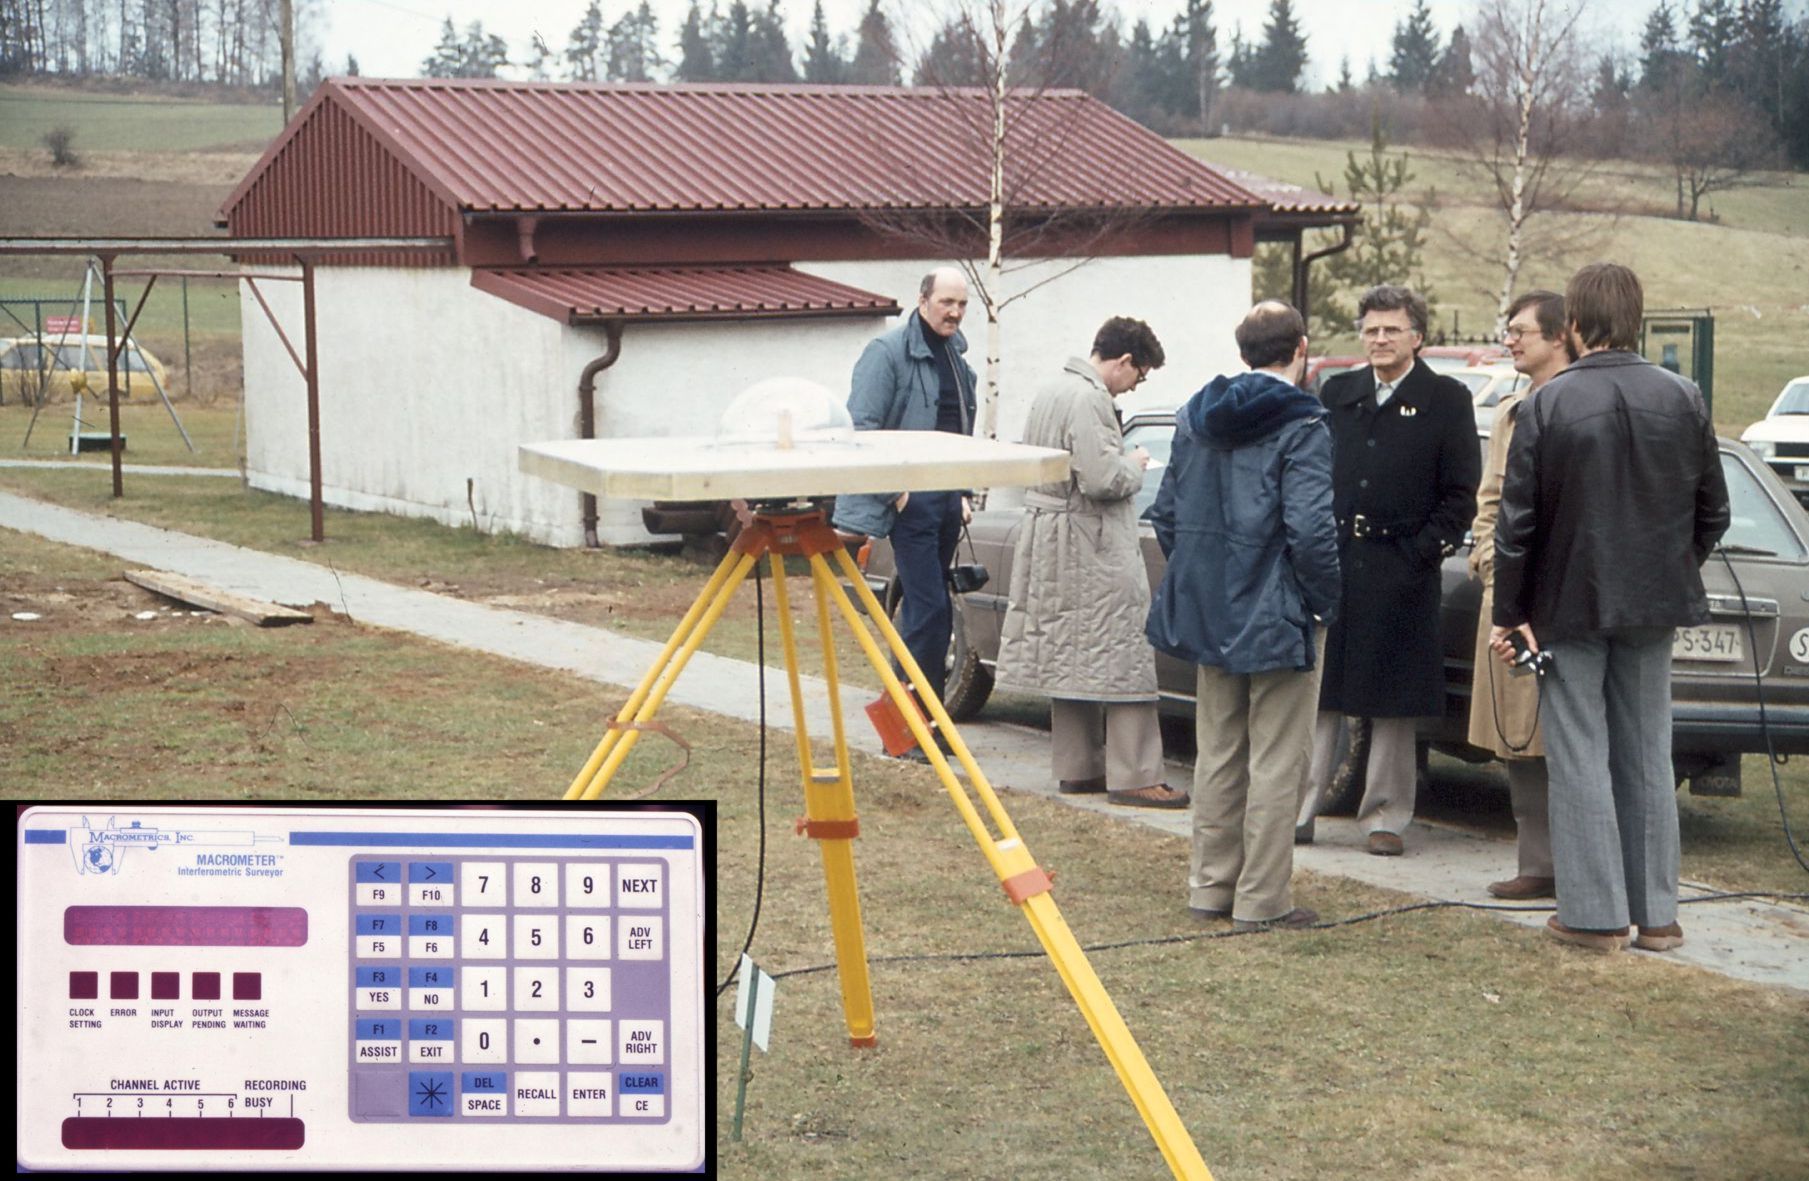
x: 913, y: 378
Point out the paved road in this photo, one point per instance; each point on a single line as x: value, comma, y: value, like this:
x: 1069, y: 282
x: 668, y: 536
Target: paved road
x: 1752, y: 940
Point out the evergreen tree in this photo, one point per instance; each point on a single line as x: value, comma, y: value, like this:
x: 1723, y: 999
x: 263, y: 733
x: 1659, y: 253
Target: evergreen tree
x: 1416, y: 51
x: 696, y: 59
x: 632, y: 50
x: 732, y: 43
x: 1201, y: 59
x: 822, y: 60
x: 584, y: 48
x: 769, y: 51
x: 445, y: 60
x: 1455, y: 74
x: 1391, y: 242
x: 1282, y: 55
x: 1714, y: 27
x: 952, y: 58
x: 875, y: 54
x: 1660, y: 59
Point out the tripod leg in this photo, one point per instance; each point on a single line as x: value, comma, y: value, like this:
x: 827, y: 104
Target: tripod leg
x: 829, y: 819
x: 1026, y: 883
x: 651, y: 693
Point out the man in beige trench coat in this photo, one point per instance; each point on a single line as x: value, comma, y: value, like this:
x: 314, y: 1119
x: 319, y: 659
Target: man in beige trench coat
x: 1079, y: 592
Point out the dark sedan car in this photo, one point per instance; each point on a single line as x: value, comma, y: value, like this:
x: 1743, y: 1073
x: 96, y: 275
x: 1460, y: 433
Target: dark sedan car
x: 1757, y: 637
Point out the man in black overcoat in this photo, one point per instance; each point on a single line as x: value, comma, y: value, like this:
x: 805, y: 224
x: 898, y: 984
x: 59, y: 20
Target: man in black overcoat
x: 1405, y: 464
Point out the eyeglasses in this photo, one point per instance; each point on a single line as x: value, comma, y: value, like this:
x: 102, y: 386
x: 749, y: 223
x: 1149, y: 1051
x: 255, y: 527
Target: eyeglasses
x: 1142, y: 376
x: 1512, y: 334
x: 1383, y: 332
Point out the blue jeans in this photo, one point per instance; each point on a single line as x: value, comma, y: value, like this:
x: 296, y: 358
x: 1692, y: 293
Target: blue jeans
x: 923, y: 545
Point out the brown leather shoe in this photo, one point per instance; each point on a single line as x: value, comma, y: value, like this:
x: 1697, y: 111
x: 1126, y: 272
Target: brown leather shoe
x: 1156, y: 795
x: 1659, y: 938
x: 1069, y: 787
x: 1294, y: 920
x: 1605, y: 940
x: 1386, y: 844
x: 1519, y: 889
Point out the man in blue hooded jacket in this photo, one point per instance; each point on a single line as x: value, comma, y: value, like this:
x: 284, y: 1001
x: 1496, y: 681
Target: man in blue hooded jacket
x: 1244, y: 517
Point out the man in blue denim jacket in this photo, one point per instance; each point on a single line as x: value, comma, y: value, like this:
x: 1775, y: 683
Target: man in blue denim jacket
x: 1244, y: 517
x: 913, y: 378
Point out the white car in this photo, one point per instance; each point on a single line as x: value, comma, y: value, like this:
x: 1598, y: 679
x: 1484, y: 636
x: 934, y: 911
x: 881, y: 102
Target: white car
x: 1781, y: 438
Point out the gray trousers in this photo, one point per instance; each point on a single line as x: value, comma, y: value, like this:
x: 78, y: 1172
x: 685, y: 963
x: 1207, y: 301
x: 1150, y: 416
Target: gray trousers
x: 1121, y: 740
x: 1529, y: 788
x: 1391, y: 777
x: 1252, y: 734
x: 1614, y: 835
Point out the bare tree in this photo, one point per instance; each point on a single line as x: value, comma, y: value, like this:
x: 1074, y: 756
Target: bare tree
x: 1001, y: 116
x: 1519, y: 126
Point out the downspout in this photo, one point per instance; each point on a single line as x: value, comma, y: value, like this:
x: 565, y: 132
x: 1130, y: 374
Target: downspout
x: 587, y: 416
x: 1301, y: 264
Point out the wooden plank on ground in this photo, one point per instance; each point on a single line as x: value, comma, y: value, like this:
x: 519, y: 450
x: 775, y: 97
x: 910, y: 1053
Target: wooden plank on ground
x: 189, y: 590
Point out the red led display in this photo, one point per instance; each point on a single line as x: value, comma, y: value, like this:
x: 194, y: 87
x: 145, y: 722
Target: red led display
x: 185, y: 926
x: 190, y: 1132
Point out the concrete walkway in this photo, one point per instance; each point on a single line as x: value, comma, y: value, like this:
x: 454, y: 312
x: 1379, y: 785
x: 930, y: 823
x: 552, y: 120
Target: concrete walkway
x: 1761, y: 942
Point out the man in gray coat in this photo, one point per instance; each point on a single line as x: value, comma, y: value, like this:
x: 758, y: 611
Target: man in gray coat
x: 913, y: 378
x: 1074, y: 628
x: 1612, y: 500
x: 1245, y: 518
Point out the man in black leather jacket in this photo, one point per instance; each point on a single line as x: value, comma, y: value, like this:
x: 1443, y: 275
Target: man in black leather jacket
x: 1612, y: 500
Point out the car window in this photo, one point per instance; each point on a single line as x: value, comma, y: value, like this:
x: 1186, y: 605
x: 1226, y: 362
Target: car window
x: 1794, y: 399
x: 1757, y: 522
x: 22, y: 356
x: 1157, y: 439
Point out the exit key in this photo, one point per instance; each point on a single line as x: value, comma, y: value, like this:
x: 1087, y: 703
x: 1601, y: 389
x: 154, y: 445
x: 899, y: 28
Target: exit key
x: 640, y: 886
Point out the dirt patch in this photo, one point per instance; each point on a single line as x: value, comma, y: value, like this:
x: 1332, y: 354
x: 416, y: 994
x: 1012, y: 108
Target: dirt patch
x: 63, y: 605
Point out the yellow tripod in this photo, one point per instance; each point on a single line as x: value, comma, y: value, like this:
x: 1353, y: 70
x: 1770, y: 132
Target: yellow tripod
x: 829, y: 793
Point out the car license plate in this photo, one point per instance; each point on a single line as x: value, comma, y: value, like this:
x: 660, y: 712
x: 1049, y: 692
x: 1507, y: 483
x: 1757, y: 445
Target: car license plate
x: 1802, y: 472
x: 1712, y: 642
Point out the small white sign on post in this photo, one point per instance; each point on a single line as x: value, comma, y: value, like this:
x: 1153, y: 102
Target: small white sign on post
x: 754, y: 1001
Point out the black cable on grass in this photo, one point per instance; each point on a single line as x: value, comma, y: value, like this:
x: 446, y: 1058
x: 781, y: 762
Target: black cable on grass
x: 760, y: 870
x: 962, y: 957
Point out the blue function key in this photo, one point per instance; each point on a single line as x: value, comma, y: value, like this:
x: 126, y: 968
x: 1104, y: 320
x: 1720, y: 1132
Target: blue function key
x: 484, y: 1092
x: 430, y: 883
x: 379, y: 883
x: 379, y: 936
x: 641, y: 1094
x: 430, y: 1092
x: 431, y: 988
x: 430, y: 1039
x: 379, y: 986
x: 430, y: 936
x: 378, y: 1039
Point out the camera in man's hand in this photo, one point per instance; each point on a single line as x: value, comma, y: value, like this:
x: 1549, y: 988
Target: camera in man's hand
x: 967, y: 577
x: 1526, y: 660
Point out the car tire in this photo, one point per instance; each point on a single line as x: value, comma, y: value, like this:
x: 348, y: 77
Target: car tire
x: 969, y: 682
x: 1350, y: 773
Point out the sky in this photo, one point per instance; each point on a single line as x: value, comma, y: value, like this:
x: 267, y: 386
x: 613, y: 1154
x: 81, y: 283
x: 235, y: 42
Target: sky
x: 390, y: 38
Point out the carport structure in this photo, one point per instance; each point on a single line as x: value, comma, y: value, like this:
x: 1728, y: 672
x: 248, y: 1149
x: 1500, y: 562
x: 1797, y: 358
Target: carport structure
x: 304, y: 251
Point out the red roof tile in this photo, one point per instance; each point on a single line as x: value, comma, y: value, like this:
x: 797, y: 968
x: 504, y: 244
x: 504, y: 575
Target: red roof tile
x: 523, y: 146
x: 679, y: 293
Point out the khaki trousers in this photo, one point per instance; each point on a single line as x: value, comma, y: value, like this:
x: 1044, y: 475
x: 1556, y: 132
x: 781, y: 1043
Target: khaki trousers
x: 1391, y: 777
x: 1254, y: 734
x: 1120, y: 740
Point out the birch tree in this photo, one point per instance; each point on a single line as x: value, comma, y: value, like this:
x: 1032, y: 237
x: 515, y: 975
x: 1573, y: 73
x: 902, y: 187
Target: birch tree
x: 1523, y: 117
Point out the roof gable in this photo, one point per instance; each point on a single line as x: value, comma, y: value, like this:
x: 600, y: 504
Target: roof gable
x: 491, y: 146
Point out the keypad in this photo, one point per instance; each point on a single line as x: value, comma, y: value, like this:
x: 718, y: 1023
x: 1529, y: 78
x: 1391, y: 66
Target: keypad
x: 517, y: 989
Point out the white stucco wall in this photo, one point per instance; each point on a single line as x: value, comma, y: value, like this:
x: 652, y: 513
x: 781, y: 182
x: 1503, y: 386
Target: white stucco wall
x: 427, y: 382
x: 1191, y: 301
